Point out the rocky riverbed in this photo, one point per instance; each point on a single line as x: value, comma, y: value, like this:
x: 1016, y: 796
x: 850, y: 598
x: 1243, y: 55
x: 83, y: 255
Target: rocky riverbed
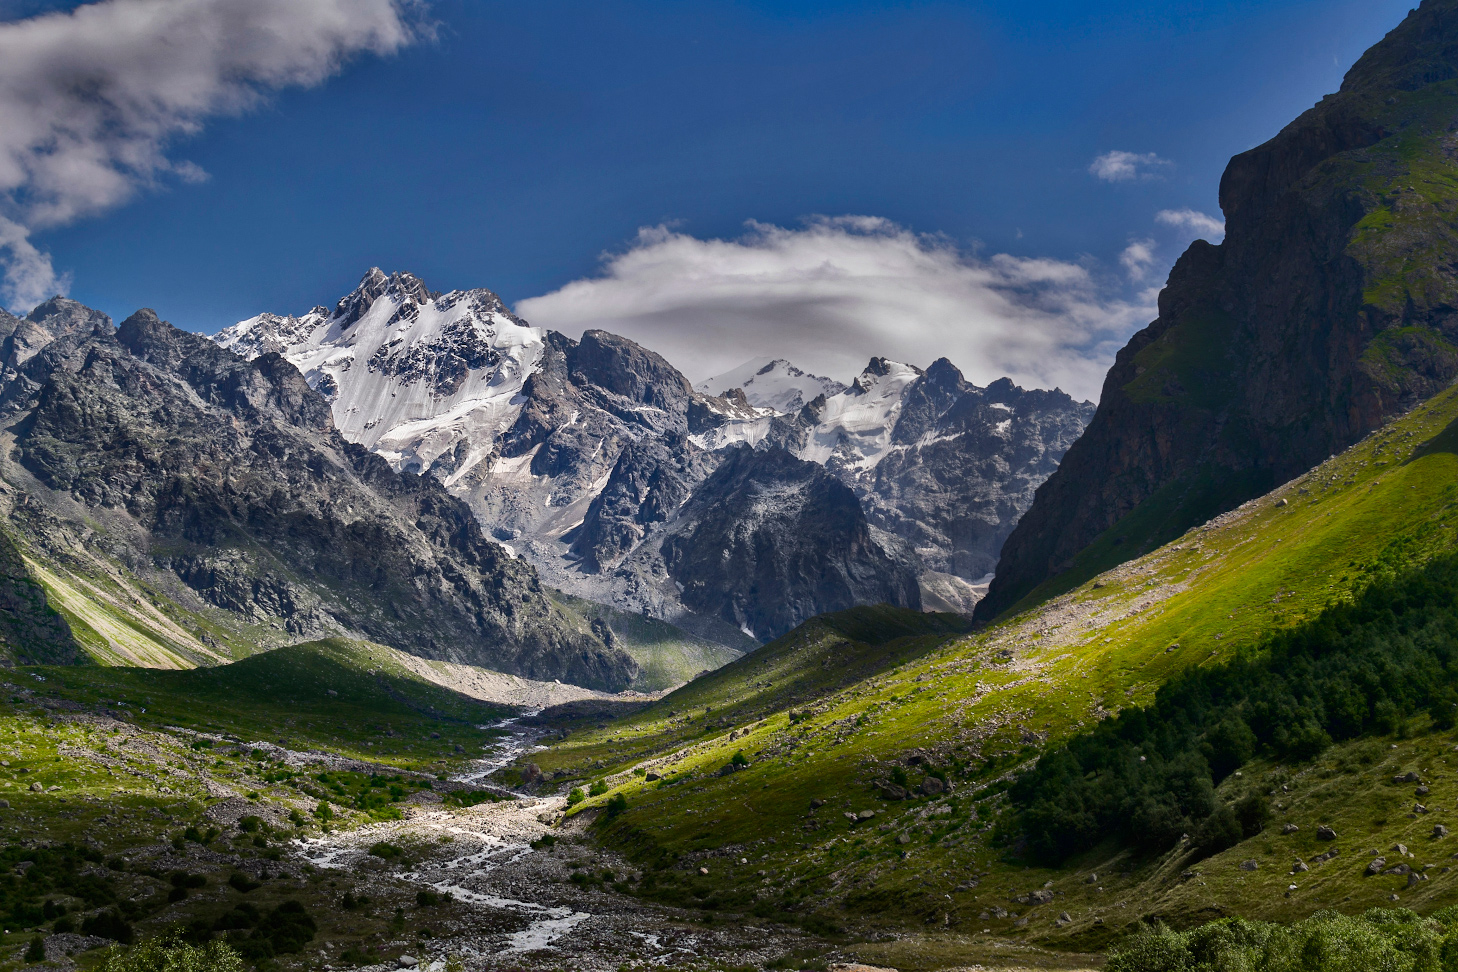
x: 507, y: 904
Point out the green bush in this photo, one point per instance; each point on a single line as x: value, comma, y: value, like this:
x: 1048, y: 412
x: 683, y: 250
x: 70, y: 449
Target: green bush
x: 576, y: 796
x: 1392, y: 940
x: 108, y: 924
x: 173, y: 955
x: 598, y: 788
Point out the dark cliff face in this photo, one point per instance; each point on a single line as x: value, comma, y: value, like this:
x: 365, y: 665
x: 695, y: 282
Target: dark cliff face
x: 31, y: 632
x: 1331, y: 305
x: 769, y: 541
x: 238, y: 483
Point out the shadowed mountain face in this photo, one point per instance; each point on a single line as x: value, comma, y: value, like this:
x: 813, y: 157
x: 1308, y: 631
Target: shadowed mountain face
x: 769, y: 541
x: 1331, y: 306
x: 229, y: 475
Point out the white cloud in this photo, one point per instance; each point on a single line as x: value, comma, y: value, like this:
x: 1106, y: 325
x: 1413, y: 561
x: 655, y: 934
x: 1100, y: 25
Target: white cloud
x: 29, y: 275
x: 1199, y: 223
x: 1124, y: 166
x: 1137, y: 258
x: 838, y: 291
x: 91, y: 98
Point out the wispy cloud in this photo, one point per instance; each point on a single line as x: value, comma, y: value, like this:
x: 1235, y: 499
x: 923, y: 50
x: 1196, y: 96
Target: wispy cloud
x: 1199, y: 223
x: 1125, y: 166
x: 91, y: 98
x: 1137, y: 259
x: 833, y: 293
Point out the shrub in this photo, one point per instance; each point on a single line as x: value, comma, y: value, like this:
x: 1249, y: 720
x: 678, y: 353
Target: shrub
x: 36, y: 950
x: 576, y: 796
x: 242, y: 883
x: 173, y: 955
x: 108, y: 924
x: 598, y: 788
x: 1382, y: 938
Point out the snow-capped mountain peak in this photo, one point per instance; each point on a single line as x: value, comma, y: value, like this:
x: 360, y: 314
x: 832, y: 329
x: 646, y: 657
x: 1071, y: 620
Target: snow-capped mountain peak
x: 771, y: 383
x: 411, y: 373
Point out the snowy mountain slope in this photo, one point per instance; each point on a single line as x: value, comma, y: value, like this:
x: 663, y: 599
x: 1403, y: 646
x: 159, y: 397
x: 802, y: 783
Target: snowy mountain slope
x: 586, y: 457
x: 771, y: 383
x: 412, y: 375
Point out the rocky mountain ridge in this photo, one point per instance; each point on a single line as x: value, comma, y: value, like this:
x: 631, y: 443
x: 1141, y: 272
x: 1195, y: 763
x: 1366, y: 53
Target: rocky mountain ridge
x: 582, y: 456
x: 225, y: 482
x: 1327, y: 310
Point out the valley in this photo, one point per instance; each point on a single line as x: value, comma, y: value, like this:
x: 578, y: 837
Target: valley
x: 405, y: 633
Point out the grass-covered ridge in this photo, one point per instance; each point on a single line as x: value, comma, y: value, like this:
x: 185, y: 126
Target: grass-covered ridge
x: 977, y: 709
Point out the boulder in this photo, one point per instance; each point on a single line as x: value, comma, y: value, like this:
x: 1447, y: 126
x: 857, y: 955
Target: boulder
x: 652, y: 777
x: 1376, y: 866
x: 531, y: 774
x: 932, y: 786
x: 1299, y: 867
x: 866, y: 814
x: 1422, y: 791
x: 890, y: 791
x: 1439, y: 832
x: 1325, y: 833
x: 903, y: 839
x: 1250, y: 865
x: 1408, y: 777
x: 1401, y: 849
x: 1290, y: 828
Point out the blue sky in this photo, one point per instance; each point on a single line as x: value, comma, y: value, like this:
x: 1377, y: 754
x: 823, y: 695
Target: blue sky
x: 526, y: 140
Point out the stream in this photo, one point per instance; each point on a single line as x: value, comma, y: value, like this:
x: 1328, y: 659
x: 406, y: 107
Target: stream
x: 520, y: 910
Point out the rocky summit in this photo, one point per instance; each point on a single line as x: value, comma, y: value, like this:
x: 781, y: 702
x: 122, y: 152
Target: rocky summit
x: 1328, y: 309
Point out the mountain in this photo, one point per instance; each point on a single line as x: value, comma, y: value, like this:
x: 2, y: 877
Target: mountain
x: 774, y: 384
x: 223, y: 485
x: 586, y: 456
x: 1327, y: 310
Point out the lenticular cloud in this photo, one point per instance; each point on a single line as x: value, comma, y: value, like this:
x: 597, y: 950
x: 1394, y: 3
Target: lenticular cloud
x: 89, y: 99
x: 833, y: 293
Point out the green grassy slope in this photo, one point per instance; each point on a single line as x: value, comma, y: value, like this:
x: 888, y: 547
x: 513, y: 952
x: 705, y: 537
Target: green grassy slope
x: 974, y: 708
x: 345, y: 696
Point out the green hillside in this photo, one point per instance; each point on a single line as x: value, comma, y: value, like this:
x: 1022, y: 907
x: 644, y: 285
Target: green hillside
x: 820, y: 716
x: 344, y: 696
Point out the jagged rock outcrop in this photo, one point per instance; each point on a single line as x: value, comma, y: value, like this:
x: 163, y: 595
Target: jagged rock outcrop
x: 21, y: 338
x: 1331, y: 305
x: 230, y: 474
x: 769, y: 541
